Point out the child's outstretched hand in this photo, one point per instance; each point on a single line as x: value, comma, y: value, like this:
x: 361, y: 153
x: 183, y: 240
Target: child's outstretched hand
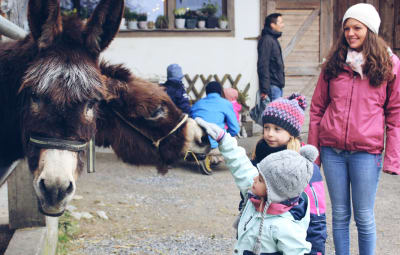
x: 212, y: 129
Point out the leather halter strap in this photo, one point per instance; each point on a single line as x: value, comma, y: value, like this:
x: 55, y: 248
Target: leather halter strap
x: 156, y: 143
x: 61, y: 144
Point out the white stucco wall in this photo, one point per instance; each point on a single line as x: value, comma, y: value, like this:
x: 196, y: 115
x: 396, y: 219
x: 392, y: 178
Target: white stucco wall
x: 149, y: 56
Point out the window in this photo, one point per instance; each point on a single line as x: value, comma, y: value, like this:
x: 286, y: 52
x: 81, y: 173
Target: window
x: 152, y: 8
x: 157, y: 18
x: 198, y: 4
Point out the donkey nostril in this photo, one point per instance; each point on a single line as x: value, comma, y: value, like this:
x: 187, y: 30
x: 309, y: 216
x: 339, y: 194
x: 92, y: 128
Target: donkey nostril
x: 70, y: 188
x: 42, y: 186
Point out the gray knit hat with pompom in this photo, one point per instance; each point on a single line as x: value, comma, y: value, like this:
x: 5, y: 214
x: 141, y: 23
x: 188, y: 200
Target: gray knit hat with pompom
x: 286, y: 174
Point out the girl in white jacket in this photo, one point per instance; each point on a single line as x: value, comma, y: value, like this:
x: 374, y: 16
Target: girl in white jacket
x: 279, y: 178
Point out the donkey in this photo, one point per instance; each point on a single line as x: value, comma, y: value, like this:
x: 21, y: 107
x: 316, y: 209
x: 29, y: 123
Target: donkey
x: 55, y: 97
x: 137, y: 108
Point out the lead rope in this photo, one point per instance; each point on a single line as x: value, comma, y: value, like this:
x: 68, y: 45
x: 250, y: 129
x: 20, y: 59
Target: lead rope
x: 257, y: 245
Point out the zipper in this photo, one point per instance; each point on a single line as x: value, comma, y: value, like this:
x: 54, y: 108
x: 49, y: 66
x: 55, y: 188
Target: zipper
x: 315, y: 199
x: 348, y: 115
x: 247, y: 222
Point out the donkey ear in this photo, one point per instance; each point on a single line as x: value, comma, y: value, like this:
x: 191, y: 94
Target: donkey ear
x: 114, y: 90
x: 44, y: 21
x: 103, y: 25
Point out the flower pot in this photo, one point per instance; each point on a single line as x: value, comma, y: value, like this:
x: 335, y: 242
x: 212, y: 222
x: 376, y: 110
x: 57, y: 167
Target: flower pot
x: 133, y: 24
x: 223, y: 24
x: 212, y: 22
x: 180, y: 23
x: 143, y: 24
x: 150, y: 25
x: 122, y: 26
x: 191, y: 23
x: 201, y: 24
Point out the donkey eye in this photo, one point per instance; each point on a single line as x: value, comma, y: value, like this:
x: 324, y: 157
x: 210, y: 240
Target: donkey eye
x: 91, y: 104
x: 159, y: 112
x: 35, y: 98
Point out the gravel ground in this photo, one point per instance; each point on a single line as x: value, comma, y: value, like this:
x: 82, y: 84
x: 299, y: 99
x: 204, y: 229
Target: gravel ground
x: 185, y: 212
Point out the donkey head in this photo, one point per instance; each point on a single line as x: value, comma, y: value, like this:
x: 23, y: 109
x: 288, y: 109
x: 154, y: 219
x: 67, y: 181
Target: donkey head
x: 142, y: 124
x: 61, y: 90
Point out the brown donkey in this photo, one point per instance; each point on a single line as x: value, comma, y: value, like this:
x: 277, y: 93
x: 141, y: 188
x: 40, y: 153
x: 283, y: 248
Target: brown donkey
x: 55, y: 98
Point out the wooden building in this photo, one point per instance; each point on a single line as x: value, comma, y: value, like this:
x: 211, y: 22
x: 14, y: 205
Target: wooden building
x: 311, y: 26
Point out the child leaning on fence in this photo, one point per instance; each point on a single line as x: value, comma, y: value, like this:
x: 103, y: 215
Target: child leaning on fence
x: 282, y: 121
x: 279, y: 178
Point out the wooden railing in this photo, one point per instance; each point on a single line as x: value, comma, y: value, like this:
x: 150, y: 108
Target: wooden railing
x: 199, y: 93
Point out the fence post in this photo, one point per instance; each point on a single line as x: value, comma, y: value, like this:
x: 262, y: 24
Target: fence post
x: 22, y: 202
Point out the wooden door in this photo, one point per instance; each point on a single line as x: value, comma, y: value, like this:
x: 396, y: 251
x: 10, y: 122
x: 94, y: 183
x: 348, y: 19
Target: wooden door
x: 305, y: 41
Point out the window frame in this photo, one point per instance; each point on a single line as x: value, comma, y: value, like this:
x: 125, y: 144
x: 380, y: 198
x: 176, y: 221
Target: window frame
x: 169, y: 5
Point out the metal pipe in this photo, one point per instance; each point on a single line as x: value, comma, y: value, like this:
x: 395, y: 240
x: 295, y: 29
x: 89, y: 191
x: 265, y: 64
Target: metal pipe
x: 11, y: 30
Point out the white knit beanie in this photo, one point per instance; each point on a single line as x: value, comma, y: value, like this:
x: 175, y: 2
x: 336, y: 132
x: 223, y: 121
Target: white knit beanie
x: 366, y: 14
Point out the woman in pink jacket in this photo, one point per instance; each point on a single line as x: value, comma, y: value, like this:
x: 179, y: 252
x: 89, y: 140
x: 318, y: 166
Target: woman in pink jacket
x: 356, y: 98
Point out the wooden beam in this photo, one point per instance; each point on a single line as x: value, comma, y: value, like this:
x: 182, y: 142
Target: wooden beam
x: 22, y: 202
x: 396, y: 22
x: 387, y: 27
x: 326, y: 29
x: 301, y: 71
x: 302, y: 30
x: 297, y: 5
x: 230, y: 12
x: 18, y: 13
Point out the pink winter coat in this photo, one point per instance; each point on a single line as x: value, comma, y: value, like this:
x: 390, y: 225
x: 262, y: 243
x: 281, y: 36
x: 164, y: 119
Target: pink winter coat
x: 232, y: 95
x: 356, y: 117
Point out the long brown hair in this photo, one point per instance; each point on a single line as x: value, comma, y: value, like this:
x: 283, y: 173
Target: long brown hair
x: 378, y: 65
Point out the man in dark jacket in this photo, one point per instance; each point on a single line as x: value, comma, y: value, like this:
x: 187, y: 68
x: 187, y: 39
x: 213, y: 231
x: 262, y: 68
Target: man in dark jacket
x: 175, y: 89
x: 270, y: 68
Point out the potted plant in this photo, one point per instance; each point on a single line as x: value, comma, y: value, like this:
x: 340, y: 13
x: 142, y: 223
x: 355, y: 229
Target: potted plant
x: 84, y: 14
x: 191, y: 19
x: 162, y: 22
x: 223, y: 22
x: 151, y: 25
x: 180, y: 17
x: 131, y: 19
x: 142, y: 19
x: 210, y: 10
x: 201, y: 17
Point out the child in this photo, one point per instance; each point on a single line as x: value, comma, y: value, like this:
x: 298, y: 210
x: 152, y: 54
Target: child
x: 279, y: 178
x: 232, y: 95
x: 282, y: 121
x: 175, y: 88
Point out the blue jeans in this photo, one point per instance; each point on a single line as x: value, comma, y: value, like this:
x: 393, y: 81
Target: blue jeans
x: 276, y: 92
x: 352, y: 179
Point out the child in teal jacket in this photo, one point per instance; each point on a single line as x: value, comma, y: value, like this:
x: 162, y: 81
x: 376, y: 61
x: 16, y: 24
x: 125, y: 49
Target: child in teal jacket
x: 279, y: 178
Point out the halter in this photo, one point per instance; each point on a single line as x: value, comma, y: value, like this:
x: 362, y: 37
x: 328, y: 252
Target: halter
x: 61, y: 144
x: 156, y: 143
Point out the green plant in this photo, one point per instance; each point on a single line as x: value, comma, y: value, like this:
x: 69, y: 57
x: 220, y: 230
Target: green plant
x: 201, y: 15
x: 180, y: 13
x: 130, y: 15
x: 142, y: 17
x: 191, y: 14
x: 66, y: 12
x: 68, y: 229
x: 162, y: 22
x: 223, y: 18
x: 209, y: 9
x: 84, y: 13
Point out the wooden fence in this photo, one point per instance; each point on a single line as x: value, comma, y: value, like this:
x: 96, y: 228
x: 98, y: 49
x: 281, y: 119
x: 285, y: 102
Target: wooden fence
x: 199, y: 93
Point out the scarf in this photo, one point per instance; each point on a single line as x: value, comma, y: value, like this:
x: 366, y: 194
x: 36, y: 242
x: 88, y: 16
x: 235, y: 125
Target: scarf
x: 274, y: 208
x: 356, y: 61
